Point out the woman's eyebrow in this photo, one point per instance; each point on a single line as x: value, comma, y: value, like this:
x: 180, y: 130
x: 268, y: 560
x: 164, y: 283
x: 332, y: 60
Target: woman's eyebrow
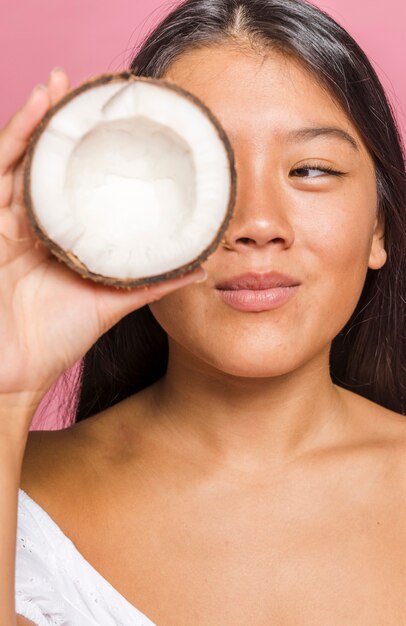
x: 305, y: 134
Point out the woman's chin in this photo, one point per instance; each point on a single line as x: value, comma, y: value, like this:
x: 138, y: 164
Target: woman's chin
x: 257, y: 366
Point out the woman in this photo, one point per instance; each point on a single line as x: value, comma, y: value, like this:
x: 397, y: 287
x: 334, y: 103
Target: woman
x: 242, y: 458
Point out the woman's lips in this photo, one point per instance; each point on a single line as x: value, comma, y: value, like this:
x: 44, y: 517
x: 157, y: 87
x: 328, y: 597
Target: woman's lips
x: 258, y: 291
x: 257, y: 299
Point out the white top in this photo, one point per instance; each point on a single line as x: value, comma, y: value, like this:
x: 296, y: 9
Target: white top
x: 55, y: 585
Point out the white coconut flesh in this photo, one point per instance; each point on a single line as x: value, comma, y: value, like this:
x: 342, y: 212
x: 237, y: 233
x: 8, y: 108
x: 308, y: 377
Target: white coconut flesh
x: 132, y: 178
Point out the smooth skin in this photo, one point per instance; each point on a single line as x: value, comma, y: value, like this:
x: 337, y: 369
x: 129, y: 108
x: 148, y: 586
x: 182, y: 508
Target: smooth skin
x: 244, y: 487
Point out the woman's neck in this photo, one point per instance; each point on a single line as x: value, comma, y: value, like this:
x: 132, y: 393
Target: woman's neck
x: 247, y: 423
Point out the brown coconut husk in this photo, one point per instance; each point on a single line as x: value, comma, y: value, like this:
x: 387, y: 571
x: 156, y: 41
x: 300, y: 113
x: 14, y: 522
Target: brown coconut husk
x: 67, y: 256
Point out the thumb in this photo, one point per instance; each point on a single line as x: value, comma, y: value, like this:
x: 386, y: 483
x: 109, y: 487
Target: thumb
x: 113, y: 304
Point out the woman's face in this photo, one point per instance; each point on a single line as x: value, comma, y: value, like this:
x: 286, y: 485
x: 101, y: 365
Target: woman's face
x: 290, y: 216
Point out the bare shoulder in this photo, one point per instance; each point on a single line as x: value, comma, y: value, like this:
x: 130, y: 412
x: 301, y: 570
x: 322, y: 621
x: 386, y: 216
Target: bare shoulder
x: 66, y: 460
x: 377, y: 435
x: 374, y: 420
x: 64, y: 469
x: 55, y: 462
x: 48, y: 454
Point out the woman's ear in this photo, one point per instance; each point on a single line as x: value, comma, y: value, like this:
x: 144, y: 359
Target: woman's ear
x: 378, y: 254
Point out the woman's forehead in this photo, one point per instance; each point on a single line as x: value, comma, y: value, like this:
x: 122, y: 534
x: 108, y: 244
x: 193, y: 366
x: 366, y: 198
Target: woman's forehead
x: 252, y: 93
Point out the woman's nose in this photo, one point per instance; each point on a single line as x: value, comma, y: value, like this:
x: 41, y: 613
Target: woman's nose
x: 262, y: 217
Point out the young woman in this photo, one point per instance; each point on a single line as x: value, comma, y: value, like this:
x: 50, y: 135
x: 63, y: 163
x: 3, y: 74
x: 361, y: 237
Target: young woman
x: 236, y: 459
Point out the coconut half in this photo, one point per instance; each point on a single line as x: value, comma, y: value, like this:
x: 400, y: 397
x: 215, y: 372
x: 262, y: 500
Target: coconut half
x: 130, y: 180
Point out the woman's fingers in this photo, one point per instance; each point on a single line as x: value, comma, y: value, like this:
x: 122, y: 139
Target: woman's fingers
x: 15, y: 135
x: 58, y: 84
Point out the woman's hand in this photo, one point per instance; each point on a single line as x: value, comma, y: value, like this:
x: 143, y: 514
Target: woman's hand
x: 49, y: 316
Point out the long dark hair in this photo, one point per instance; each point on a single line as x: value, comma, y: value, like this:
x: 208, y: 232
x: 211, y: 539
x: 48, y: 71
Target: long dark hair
x: 369, y: 354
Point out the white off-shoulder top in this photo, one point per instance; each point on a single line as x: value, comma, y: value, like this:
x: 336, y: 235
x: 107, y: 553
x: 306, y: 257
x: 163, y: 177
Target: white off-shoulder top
x: 55, y: 585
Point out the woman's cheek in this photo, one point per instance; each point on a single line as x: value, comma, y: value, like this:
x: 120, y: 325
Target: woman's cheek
x: 342, y: 255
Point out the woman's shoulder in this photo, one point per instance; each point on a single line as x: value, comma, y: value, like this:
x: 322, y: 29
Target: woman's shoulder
x: 56, y: 464
x: 375, y: 440
x: 49, y: 451
x: 67, y: 460
x: 373, y: 421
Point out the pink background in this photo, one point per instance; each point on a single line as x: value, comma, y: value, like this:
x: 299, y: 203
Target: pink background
x: 89, y: 37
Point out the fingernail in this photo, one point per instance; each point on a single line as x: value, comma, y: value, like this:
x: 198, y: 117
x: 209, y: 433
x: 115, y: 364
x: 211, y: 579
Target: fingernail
x: 40, y: 87
x: 37, y: 89
x: 57, y: 69
x: 202, y: 276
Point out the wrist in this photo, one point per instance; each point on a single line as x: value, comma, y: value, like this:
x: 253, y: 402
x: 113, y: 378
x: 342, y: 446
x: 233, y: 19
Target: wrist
x: 16, y: 412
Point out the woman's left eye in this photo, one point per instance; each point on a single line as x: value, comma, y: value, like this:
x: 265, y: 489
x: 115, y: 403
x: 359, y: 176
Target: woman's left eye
x: 311, y: 171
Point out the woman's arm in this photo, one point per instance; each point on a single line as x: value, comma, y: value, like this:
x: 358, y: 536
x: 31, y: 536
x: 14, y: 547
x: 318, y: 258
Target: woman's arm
x: 15, y: 419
